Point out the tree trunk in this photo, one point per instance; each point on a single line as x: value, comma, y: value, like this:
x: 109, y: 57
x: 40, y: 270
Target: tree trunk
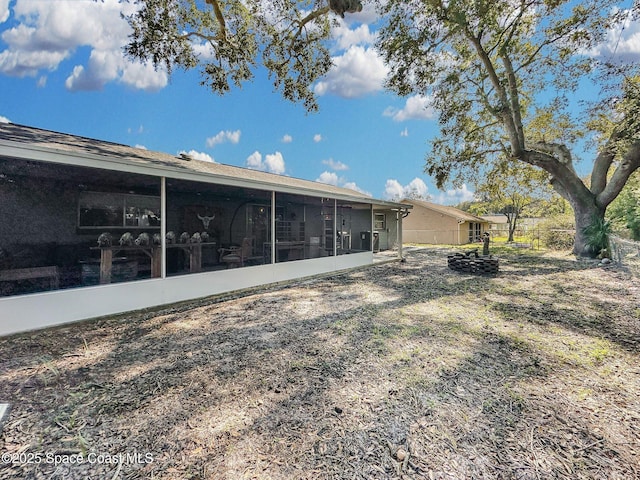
x: 589, y: 204
x: 585, y: 216
x: 513, y: 223
x: 510, y: 229
x: 565, y: 181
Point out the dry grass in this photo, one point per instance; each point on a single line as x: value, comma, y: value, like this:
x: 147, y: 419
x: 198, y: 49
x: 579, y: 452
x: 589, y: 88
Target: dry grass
x: 403, y: 370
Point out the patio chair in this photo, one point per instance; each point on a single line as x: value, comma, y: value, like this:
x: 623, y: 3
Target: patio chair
x: 239, y: 256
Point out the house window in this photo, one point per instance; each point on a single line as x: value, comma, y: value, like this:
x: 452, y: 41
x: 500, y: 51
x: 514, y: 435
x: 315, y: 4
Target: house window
x: 101, y: 209
x: 475, y: 232
x: 380, y: 221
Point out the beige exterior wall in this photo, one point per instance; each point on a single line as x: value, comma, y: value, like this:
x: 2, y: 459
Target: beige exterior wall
x: 431, y: 227
x: 431, y: 237
x: 424, y: 225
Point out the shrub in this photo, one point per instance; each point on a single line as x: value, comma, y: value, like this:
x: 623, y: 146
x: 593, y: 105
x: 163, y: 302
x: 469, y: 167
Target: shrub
x: 557, y: 233
x: 597, y: 236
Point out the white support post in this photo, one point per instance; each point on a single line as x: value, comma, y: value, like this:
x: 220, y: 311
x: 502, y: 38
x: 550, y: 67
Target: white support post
x: 273, y: 227
x: 163, y: 225
x: 373, y: 226
x: 335, y: 227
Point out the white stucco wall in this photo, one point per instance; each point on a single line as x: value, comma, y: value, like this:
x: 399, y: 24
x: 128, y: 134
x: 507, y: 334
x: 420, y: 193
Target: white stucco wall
x: 34, y: 311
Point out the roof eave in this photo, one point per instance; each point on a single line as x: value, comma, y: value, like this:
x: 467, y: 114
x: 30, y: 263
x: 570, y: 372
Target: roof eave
x: 26, y: 151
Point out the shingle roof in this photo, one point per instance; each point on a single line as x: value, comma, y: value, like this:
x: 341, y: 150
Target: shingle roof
x: 496, y: 218
x: 12, y: 134
x: 446, y: 210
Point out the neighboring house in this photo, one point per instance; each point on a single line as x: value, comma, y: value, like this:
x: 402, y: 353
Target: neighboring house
x: 499, y: 226
x: 435, y: 224
x: 91, y: 228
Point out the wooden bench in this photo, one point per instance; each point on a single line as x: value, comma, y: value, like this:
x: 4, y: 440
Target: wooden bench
x: 18, y: 274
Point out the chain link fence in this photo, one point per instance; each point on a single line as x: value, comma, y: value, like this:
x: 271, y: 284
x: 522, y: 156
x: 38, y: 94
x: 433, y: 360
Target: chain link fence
x: 522, y: 238
x: 623, y: 251
x: 626, y: 253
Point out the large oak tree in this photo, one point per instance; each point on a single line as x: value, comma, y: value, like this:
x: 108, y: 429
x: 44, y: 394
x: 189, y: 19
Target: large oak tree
x: 501, y: 75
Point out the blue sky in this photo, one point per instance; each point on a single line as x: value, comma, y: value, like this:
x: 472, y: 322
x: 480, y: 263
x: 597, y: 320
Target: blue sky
x: 61, y: 68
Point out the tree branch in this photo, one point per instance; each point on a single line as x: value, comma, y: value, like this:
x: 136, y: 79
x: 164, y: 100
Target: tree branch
x: 556, y: 160
x: 514, y: 97
x: 602, y: 165
x: 290, y: 50
x: 503, y: 113
x: 208, y: 38
x: 558, y: 152
x: 312, y: 16
x: 219, y: 17
x: 629, y: 164
x: 309, y: 18
x: 510, y: 27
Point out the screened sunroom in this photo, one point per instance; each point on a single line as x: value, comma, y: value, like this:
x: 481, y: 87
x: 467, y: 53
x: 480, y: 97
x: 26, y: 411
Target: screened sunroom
x: 90, y: 228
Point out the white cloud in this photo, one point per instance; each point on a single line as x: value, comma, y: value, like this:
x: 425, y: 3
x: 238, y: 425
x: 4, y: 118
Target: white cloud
x: 4, y: 10
x: 353, y: 186
x: 203, y: 50
x: 103, y: 67
x: 254, y: 161
x: 416, y: 188
x: 331, y: 178
x: 455, y: 195
x: 417, y: 107
x: 335, y: 165
x: 622, y: 43
x: 273, y: 163
x: 49, y: 32
x: 358, y: 72
x: 405, y: 132
x: 317, y: 138
x: 287, y: 138
x: 393, y: 190
x: 346, y: 37
x: 25, y: 63
x: 4, y: 119
x: 367, y: 15
x: 224, y: 136
x: 143, y: 77
x: 141, y: 147
x: 205, y: 157
x: 139, y: 130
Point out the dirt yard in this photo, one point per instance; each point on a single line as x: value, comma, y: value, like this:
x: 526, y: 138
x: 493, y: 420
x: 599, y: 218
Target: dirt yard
x: 402, y: 370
